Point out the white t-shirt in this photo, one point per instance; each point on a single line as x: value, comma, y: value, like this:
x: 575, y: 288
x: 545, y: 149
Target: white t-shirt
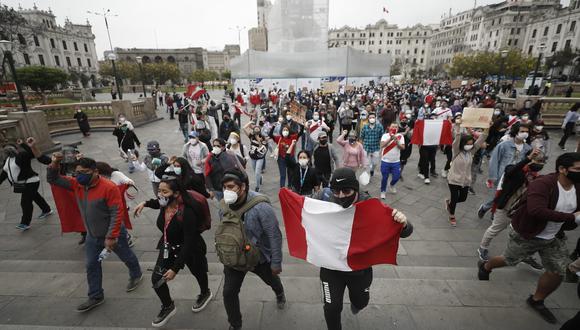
x: 10, y: 166
x: 441, y: 113
x: 393, y: 155
x: 566, y: 204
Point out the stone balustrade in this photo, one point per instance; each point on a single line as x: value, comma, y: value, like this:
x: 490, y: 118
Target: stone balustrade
x: 553, y: 108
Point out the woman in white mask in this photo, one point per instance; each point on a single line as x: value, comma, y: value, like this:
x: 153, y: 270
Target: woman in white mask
x: 303, y: 177
x: 235, y: 146
x: 459, y: 177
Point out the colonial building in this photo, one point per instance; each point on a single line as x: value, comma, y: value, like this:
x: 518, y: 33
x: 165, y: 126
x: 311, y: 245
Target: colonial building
x: 187, y: 59
x: 258, y: 38
x: 42, y: 42
x: 410, y: 46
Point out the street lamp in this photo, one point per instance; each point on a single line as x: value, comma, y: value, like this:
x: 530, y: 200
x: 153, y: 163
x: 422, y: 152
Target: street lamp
x: 503, y: 55
x: 5, y: 48
x: 112, y: 57
x: 541, y: 48
x: 139, y: 60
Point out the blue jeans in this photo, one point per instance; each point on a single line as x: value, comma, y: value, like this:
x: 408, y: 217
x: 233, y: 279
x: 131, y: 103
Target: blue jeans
x: 94, y: 246
x: 282, y: 169
x: 390, y: 168
x: 489, y: 202
x: 258, y: 165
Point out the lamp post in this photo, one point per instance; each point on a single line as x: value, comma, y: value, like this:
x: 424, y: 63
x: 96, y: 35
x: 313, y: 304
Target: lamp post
x: 503, y: 56
x: 5, y: 48
x: 139, y: 60
x: 541, y: 47
x: 112, y: 57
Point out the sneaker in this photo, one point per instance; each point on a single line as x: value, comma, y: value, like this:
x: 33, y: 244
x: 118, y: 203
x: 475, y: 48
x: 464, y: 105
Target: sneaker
x: 82, y: 240
x: 90, y: 304
x: 45, y: 215
x: 434, y: 175
x: 481, y: 212
x: 201, y: 302
x: 281, y: 300
x: 471, y: 191
x: 562, y: 147
x: 353, y: 309
x: 482, y: 274
x: 392, y: 190
x: 134, y: 283
x: 383, y: 195
x: 427, y: 181
x: 539, y: 307
x: 452, y: 221
x: 164, y: 315
x: 444, y: 173
x: 234, y: 327
x: 22, y: 227
x: 530, y: 261
x: 421, y: 176
x: 130, y: 240
x: 483, y: 254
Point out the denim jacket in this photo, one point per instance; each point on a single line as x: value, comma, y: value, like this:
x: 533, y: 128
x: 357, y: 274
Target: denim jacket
x: 503, y: 155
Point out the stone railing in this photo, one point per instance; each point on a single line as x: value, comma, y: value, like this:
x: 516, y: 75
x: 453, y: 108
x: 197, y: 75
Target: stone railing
x: 553, y: 108
x: 60, y: 116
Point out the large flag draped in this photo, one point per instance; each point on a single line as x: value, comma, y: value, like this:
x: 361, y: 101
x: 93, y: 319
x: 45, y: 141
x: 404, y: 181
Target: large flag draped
x: 432, y: 132
x: 327, y: 235
x: 194, y: 91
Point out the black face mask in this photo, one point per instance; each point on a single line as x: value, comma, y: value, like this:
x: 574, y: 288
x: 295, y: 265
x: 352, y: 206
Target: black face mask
x: 535, y: 167
x: 345, y: 201
x: 574, y: 176
x: 323, y: 141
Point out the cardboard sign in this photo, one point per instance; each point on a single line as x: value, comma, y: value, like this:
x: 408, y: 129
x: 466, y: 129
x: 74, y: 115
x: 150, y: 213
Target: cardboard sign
x: 298, y: 112
x: 330, y: 87
x: 455, y: 84
x: 476, y: 117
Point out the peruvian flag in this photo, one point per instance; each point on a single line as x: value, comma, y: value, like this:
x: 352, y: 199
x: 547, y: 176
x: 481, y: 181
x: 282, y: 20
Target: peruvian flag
x: 194, y: 91
x: 432, y: 132
x: 327, y: 235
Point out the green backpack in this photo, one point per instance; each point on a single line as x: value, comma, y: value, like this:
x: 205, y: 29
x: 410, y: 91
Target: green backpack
x: 231, y: 244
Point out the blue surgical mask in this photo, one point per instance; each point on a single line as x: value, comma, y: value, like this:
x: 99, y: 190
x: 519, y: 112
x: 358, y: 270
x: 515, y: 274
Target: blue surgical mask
x: 177, y: 170
x: 84, y: 179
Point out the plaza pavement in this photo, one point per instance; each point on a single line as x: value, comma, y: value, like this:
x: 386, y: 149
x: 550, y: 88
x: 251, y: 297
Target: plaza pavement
x: 435, y: 286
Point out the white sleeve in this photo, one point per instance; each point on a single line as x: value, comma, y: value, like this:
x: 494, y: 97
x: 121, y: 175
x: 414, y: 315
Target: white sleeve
x: 385, y: 137
x: 119, y: 178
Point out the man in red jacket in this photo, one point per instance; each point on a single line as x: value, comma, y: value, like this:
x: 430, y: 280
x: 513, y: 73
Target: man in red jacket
x: 551, y: 207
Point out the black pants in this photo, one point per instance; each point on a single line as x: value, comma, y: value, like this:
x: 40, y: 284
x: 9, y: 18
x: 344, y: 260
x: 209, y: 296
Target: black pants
x: 427, y: 160
x: 458, y: 195
x: 568, y: 131
x: 30, y: 195
x: 171, y: 112
x: 572, y: 324
x: 238, y: 118
x: 449, y: 153
x: 233, y: 280
x: 325, y: 178
x: 197, y: 267
x: 334, y: 282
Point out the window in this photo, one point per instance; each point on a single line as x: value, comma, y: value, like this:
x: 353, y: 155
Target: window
x: 415, y: 51
x: 530, y: 49
x: 56, y: 60
x: 64, y: 45
x: 490, y: 32
x: 408, y: 52
x: 495, y: 43
x: 515, y: 42
x: 353, y: 35
x: 79, y: 61
x: 559, y: 29
x: 519, y: 31
x: 534, y: 33
x: 352, y: 43
x: 408, y: 42
x: 26, y: 59
x: 509, y: 42
x: 567, y: 45
x: 52, y: 44
x: 423, y: 41
x: 76, y: 47
x: 21, y: 39
x: 512, y: 31
x: 573, y: 26
x: 380, y: 42
x: 554, y: 47
x: 86, y: 48
x: 499, y: 21
x: 497, y: 33
x: 36, y: 42
x: 380, y: 34
x: 414, y: 61
x: 68, y: 61
x: 422, y: 52
x: 546, y: 30
x: 421, y: 61
x: 41, y: 59
x: 492, y: 22
x: 380, y: 51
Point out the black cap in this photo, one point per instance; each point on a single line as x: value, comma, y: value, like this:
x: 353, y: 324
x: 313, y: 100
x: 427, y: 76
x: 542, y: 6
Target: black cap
x: 344, y: 178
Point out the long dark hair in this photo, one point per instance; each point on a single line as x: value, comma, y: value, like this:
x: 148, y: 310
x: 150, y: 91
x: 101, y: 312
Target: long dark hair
x: 175, y: 184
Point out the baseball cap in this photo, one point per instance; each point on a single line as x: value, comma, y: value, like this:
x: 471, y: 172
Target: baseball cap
x: 344, y: 178
x: 193, y: 134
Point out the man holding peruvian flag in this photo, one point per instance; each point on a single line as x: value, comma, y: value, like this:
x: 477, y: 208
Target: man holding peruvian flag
x: 344, y: 232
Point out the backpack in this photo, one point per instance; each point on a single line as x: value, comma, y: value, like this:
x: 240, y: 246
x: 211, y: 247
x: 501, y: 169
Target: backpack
x: 231, y: 244
x: 206, y: 219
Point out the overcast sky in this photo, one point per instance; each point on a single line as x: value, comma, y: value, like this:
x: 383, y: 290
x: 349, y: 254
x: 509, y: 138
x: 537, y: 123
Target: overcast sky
x: 212, y: 23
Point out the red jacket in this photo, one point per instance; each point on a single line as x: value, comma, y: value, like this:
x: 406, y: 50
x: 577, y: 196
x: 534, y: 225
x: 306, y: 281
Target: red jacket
x: 538, y: 209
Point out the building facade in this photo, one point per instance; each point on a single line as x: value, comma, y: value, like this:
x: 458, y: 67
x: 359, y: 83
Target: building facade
x: 42, y: 42
x: 186, y: 59
x: 258, y: 39
x: 410, y: 46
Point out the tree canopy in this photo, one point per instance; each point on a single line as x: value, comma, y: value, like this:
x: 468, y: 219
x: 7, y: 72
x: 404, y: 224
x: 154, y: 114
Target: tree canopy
x: 481, y: 65
x: 41, y: 78
x: 158, y: 72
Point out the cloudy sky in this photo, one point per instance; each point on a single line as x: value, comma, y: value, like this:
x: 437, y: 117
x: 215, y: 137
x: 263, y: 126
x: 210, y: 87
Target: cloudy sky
x: 212, y: 24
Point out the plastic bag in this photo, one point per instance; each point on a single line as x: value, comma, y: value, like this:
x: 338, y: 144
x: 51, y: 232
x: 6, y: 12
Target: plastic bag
x: 364, y: 178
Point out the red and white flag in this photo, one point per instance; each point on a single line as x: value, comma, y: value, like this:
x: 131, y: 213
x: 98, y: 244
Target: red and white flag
x: 330, y: 236
x: 432, y: 132
x: 194, y: 91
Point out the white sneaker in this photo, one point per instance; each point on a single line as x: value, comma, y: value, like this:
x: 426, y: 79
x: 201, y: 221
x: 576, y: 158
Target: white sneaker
x: 444, y: 173
x: 427, y: 181
x: 392, y: 190
x: 421, y: 176
x: 383, y: 195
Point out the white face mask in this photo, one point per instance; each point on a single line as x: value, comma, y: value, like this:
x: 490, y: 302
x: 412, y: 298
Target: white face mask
x: 539, y: 128
x: 177, y: 170
x: 467, y: 147
x: 216, y: 151
x: 372, y: 120
x: 408, y: 116
x: 315, y: 117
x: 303, y: 162
x: 285, y: 133
x: 122, y: 120
x: 230, y: 197
x: 496, y: 112
x: 163, y: 201
x: 288, y: 118
x: 233, y: 141
x: 525, y: 118
x: 523, y: 135
x: 193, y: 141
